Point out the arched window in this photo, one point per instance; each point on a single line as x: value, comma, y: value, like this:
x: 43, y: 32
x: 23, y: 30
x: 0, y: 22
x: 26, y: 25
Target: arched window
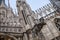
x: 3, y: 13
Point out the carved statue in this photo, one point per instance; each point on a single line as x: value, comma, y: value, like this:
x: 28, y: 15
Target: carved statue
x: 38, y: 27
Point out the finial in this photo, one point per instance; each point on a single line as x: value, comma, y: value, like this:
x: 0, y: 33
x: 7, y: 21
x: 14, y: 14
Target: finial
x: 8, y: 4
x: 3, y: 1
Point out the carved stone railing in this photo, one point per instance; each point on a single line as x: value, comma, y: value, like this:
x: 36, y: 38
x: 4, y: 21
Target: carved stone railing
x: 13, y: 28
x: 10, y: 24
x: 6, y: 29
x: 52, y: 14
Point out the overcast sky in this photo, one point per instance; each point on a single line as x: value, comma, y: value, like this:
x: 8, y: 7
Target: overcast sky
x: 34, y: 4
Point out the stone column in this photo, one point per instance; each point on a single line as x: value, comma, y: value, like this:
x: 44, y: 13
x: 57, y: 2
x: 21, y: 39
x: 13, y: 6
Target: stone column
x: 41, y: 36
x: 25, y: 37
x: 21, y: 38
x: 18, y: 38
x: 30, y: 35
x: 9, y: 39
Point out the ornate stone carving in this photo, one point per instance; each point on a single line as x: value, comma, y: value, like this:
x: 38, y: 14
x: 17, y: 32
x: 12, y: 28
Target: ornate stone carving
x: 57, y: 22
